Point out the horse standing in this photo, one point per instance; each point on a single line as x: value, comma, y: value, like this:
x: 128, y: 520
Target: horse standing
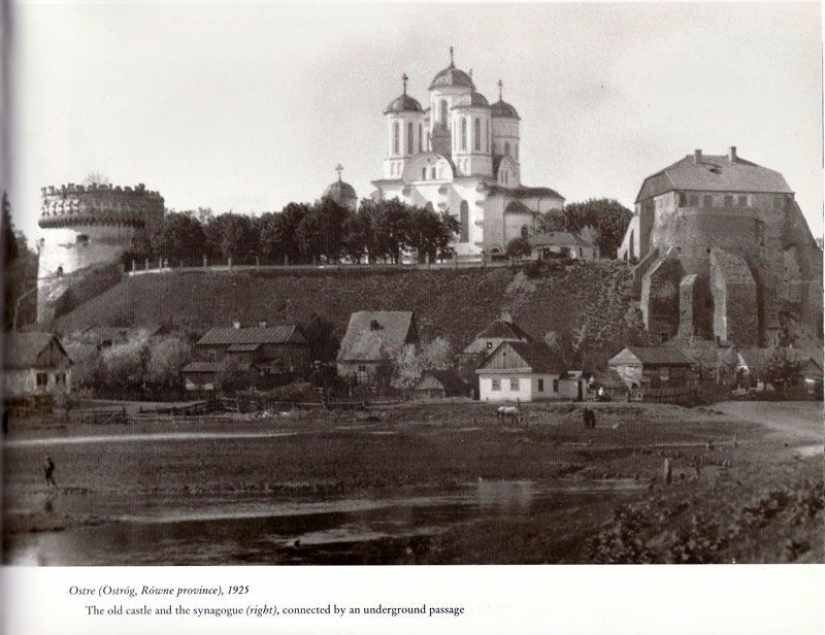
x: 511, y: 413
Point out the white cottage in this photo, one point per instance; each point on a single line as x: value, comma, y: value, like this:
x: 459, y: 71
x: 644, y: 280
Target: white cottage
x: 35, y: 365
x: 522, y: 371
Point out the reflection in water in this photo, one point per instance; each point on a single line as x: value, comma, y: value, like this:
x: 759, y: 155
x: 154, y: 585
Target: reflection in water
x: 261, y: 533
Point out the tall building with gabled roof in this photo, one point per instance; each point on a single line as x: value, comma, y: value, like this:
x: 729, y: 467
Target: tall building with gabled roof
x: 461, y: 155
x: 722, y: 251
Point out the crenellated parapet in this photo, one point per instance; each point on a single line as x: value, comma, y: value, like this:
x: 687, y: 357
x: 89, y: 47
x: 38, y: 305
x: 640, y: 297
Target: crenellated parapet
x: 73, y: 205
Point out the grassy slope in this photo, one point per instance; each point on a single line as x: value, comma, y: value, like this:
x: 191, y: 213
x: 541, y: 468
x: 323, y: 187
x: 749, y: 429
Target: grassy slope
x: 455, y: 303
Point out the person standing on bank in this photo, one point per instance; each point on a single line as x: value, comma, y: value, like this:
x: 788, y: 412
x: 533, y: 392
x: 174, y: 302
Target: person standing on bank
x: 48, y: 468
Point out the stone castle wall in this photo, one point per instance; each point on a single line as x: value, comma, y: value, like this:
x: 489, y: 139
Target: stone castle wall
x: 85, y: 228
x: 768, y: 233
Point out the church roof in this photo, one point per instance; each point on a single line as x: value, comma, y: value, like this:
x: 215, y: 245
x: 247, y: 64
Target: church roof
x: 502, y: 109
x: 340, y: 191
x: 472, y: 99
x: 403, y: 103
x: 451, y: 76
x: 714, y: 174
x: 524, y: 192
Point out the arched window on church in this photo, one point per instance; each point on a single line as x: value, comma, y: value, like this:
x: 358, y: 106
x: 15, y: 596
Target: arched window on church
x: 396, y: 139
x: 464, y: 219
x: 444, y: 111
x: 524, y: 231
x: 507, y: 148
x: 428, y: 140
x: 463, y: 133
x: 516, y: 152
x: 487, y: 133
x: 477, y: 134
x: 421, y: 137
x: 409, y: 138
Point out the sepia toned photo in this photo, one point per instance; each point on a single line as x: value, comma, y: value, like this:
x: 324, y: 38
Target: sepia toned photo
x: 425, y: 284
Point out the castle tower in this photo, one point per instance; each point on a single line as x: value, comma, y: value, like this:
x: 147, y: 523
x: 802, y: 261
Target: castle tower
x: 83, y: 229
x: 506, y: 139
x: 405, y: 132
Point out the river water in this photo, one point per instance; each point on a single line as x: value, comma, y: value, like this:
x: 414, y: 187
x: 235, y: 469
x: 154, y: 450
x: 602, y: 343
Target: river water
x: 334, y: 531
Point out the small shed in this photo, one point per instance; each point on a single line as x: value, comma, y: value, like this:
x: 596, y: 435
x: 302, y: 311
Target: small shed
x: 441, y: 383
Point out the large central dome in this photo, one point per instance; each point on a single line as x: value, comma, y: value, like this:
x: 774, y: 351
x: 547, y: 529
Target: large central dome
x: 451, y: 76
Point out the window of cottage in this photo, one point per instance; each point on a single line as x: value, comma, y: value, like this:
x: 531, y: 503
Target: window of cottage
x: 42, y: 379
x: 514, y: 383
x: 496, y: 384
x: 743, y: 201
x: 555, y: 385
x: 60, y: 379
x: 682, y: 199
x: 525, y: 232
x: 728, y: 200
x: 541, y: 385
x: 777, y: 202
x: 694, y: 200
x: 707, y: 201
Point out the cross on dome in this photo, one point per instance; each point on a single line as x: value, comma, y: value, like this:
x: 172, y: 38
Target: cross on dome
x: 339, y: 168
x: 404, y: 79
x: 500, y: 86
x: 452, y: 64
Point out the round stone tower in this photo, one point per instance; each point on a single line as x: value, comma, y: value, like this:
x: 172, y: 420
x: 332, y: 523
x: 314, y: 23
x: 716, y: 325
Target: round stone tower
x: 85, y: 228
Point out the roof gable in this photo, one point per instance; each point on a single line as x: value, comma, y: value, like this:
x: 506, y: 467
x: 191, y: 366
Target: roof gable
x: 374, y: 335
x: 33, y: 350
x: 535, y: 357
x: 714, y: 173
x: 652, y: 355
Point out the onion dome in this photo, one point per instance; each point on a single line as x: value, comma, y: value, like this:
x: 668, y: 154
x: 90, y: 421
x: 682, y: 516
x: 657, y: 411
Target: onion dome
x: 451, y: 76
x: 501, y: 108
x: 404, y: 103
x: 472, y: 99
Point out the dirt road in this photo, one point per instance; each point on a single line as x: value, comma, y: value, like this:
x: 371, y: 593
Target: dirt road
x: 800, y: 422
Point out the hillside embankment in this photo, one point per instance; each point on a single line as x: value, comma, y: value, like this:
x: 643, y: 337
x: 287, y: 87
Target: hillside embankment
x: 588, y: 305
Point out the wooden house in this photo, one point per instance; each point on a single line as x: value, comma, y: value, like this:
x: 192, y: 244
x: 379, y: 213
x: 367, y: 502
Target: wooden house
x: 522, y: 371
x: 373, y: 339
x: 653, y: 367
x: 35, y: 366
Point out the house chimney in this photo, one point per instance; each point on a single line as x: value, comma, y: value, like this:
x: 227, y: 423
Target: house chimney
x: 697, y: 157
x: 236, y: 324
x: 732, y: 154
x: 506, y: 316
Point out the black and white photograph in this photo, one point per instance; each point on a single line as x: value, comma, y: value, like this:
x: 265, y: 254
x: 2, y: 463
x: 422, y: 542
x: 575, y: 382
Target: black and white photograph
x: 412, y: 284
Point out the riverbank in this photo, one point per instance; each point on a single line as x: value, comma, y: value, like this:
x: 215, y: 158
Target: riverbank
x: 423, y: 484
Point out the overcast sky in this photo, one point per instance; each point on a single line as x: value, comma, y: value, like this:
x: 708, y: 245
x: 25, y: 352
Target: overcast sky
x: 250, y: 107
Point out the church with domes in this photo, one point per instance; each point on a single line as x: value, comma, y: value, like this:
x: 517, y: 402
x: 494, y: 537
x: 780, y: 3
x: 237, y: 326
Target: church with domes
x: 460, y: 154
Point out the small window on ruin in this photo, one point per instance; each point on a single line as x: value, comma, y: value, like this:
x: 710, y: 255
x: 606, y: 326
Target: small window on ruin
x: 82, y: 239
x: 682, y: 199
x: 375, y: 325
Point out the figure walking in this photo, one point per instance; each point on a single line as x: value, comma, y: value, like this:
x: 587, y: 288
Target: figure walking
x: 48, y: 468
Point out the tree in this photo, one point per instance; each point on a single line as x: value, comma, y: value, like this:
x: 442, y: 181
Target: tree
x: 279, y: 234
x: 165, y: 359
x: 552, y: 221
x: 781, y: 369
x: 96, y: 178
x: 410, y: 364
x: 179, y: 236
x: 430, y: 234
x: 322, y: 342
x: 357, y: 236
x: 518, y: 248
x: 19, y: 273
x: 606, y: 215
x: 231, y: 236
x: 125, y: 364
x: 390, y: 223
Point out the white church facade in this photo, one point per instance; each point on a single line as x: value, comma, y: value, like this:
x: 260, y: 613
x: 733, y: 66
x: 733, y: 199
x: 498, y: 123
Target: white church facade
x: 461, y: 155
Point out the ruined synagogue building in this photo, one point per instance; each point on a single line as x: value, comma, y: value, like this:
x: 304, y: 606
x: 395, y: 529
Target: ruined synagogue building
x: 724, y: 253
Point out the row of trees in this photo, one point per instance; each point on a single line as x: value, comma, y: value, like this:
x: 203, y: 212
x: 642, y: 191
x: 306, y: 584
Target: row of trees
x: 305, y: 233
x: 19, y: 274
